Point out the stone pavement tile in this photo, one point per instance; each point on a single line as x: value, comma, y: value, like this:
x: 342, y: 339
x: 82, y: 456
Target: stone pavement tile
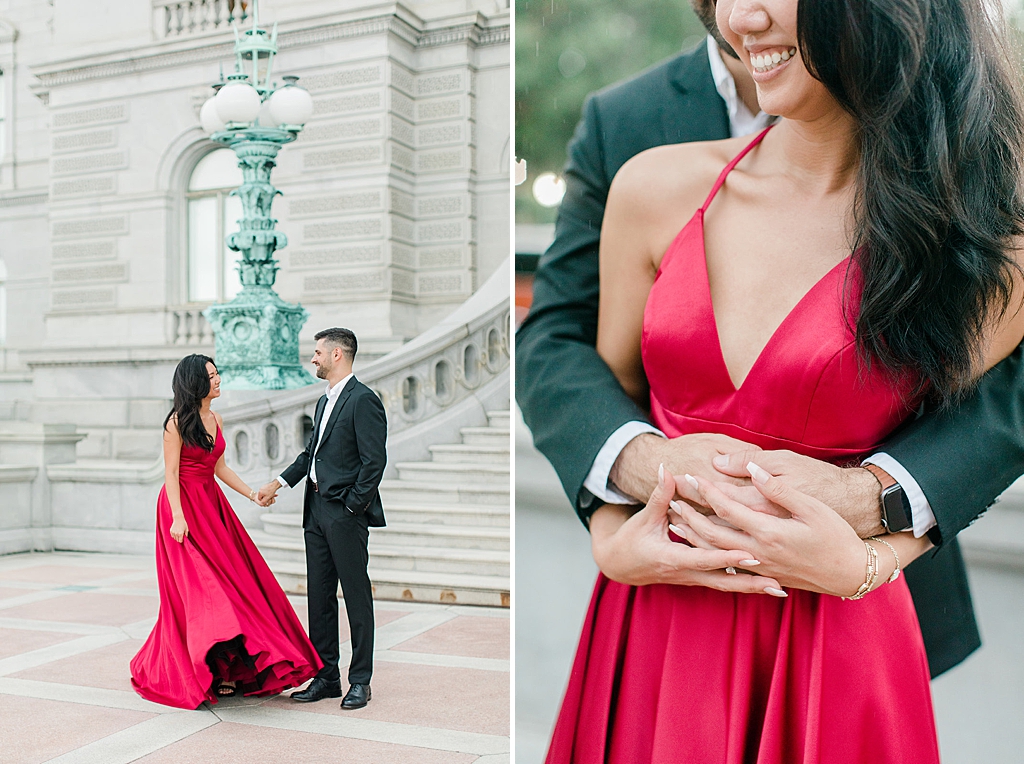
x: 429, y: 696
x: 34, y: 730
x: 59, y: 574
x: 90, y: 607
x: 479, y: 637
x: 105, y: 667
x: 266, y: 745
x: 17, y: 641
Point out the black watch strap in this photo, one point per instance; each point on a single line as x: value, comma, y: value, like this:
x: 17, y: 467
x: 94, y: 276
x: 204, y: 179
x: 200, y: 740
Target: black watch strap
x: 896, y: 512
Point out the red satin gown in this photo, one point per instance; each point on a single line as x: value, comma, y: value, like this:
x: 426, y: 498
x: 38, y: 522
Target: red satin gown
x: 691, y: 675
x: 221, y: 609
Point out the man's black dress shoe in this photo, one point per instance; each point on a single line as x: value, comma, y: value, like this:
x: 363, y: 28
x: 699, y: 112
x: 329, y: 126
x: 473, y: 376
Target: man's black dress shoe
x: 318, y: 690
x: 358, y: 695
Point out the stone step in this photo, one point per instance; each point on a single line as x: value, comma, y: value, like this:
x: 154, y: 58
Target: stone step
x: 480, y: 515
x: 454, y: 473
x: 430, y: 492
x: 447, y: 588
x: 499, y: 418
x: 289, y: 526
x: 485, y: 436
x: 461, y: 453
x: 386, y: 556
x: 444, y: 536
x: 426, y: 559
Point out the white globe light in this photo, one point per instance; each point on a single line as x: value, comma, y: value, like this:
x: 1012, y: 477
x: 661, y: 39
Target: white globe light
x: 266, y: 118
x: 209, y: 119
x: 548, y: 189
x: 291, y: 105
x: 238, y: 102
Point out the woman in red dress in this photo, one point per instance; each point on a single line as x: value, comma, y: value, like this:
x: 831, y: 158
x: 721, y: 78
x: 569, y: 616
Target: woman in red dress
x: 859, y: 256
x: 225, y: 625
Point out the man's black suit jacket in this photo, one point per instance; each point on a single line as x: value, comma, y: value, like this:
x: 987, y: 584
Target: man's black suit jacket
x: 572, y: 402
x: 351, y: 457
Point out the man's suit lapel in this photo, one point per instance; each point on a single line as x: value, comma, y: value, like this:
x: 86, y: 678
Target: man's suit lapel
x: 690, y: 75
x: 345, y: 394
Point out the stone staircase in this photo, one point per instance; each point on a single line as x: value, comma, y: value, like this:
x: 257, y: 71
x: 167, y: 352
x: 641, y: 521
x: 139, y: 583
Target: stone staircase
x: 448, y: 533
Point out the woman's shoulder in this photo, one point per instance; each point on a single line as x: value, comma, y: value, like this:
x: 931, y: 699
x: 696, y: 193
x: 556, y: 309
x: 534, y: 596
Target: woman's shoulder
x: 676, y: 176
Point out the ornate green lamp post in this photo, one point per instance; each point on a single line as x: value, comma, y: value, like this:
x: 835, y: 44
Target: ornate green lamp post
x: 257, y: 333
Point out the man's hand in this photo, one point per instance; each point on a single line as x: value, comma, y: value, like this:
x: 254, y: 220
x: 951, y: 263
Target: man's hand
x: 852, y: 492
x: 636, y: 550
x: 266, y: 495
x: 805, y: 545
x: 635, y: 470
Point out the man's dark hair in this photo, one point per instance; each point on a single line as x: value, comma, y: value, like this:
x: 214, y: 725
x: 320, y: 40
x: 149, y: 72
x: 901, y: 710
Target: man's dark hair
x: 342, y: 338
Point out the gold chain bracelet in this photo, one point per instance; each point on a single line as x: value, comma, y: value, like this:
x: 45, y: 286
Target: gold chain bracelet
x: 895, y: 573
x: 870, y: 574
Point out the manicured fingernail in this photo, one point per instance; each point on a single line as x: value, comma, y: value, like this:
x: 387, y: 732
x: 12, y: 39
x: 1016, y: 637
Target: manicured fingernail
x: 721, y: 461
x: 676, y: 506
x: 731, y: 570
x: 749, y: 563
x: 691, y: 480
x: 775, y: 592
x: 661, y: 474
x: 677, y: 530
x: 757, y: 474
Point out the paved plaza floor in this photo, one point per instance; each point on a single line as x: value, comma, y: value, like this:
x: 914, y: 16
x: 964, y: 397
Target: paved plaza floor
x: 979, y: 705
x: 70, y: 623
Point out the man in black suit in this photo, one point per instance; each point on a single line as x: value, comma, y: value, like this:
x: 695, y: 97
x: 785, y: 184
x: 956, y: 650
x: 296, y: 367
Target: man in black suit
x: 341, y: 468
x: 942, y: 471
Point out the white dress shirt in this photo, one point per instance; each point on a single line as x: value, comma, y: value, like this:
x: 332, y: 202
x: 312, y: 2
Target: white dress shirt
x: 332, y: 394
x: 598, y: 482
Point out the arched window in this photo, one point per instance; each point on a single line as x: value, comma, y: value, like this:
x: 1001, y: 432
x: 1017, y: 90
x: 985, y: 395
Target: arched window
x: 212, y: 215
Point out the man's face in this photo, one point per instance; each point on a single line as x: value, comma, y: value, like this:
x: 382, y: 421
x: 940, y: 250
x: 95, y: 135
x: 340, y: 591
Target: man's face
x: 323, y: 359
x: 705, y: 10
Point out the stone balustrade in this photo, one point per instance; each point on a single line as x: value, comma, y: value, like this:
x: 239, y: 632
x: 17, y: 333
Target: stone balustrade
x: 180, y: 18
x: 187, y: 326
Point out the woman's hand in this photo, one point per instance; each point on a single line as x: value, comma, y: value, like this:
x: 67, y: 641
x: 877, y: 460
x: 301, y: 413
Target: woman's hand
x: 812, y: 548
x: 636, y: 550
x: 179, y: 529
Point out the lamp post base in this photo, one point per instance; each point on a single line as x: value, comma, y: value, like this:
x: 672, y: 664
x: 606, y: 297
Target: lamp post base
x: 257, y: 341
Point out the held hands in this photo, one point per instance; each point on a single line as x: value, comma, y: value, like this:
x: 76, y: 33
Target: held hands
x: 801, y: 541
x: 633, y: 470
x: 179, y: 530
x: 636, y: 550
x: 852, y: 492
x: 266, y: 494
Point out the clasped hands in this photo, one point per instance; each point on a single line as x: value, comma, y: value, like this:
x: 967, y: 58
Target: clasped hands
x: 266, y: 495
x: 762, y: 522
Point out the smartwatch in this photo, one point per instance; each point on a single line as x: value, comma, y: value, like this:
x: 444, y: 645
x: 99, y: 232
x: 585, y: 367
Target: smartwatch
x: 896, y: 514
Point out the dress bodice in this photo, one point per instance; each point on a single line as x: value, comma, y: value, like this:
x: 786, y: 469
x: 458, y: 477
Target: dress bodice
x: 808, y: 391
x: 198, y: 463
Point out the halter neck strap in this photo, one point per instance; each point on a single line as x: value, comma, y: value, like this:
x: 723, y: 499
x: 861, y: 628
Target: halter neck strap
x: 728, y: 168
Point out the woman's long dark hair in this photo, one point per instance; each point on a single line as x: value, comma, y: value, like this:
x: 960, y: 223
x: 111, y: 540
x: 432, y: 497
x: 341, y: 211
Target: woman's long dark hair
x: 191, y: 383
x: 939, y: 187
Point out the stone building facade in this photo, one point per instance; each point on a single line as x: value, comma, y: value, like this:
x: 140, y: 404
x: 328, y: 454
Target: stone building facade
x: 395, y: 196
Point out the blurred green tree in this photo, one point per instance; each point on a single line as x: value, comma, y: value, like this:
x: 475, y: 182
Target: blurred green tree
x: 566, y: 49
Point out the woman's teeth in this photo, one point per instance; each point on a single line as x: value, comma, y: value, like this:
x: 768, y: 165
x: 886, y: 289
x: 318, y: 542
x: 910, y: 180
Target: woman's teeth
x: 768, y: 61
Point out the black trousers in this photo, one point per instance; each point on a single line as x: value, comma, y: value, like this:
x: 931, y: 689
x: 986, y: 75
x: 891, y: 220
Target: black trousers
x: 336, y: 551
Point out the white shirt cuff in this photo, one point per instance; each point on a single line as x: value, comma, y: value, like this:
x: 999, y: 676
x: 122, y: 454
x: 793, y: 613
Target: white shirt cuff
x: 920, y: 509
x: 598, y: 481
x: 285, y: 484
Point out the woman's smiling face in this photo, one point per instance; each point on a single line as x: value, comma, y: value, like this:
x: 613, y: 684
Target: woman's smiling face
x: 764, y: 34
